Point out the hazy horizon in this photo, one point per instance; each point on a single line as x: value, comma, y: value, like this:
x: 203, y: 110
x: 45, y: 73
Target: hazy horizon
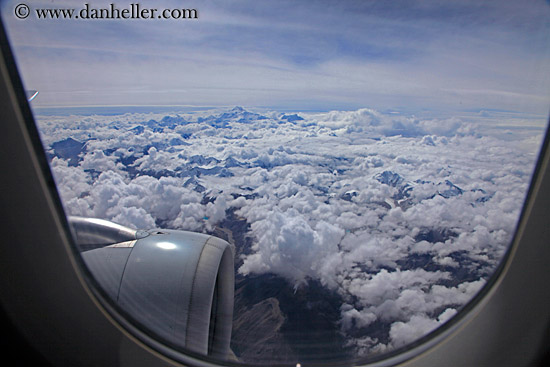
x: 317, y: 55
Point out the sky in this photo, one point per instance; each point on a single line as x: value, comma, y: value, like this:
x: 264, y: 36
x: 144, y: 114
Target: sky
x: 294, y: 55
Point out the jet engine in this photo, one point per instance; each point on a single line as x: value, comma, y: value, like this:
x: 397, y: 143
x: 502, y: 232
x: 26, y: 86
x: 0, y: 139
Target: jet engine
x: 177, y: 284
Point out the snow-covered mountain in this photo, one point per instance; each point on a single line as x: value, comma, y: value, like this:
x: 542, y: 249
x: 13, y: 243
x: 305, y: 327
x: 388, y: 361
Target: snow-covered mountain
x: 381, y: 226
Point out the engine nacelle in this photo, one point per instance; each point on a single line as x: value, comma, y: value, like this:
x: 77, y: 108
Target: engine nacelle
x: 177, y: 284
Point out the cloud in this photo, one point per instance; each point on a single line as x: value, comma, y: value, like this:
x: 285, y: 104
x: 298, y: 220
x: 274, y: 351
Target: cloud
x: 289, y: 246
x: 372, y: 122
x: 403, y: 217
x: 402, y: 333
x: 425, y: 54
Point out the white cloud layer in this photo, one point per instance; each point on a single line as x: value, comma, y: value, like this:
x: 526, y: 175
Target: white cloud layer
x: 404, y: 217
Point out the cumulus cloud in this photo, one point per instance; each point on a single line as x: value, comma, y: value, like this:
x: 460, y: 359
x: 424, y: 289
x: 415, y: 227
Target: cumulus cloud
x: 402, y: 333
x: 376, y: 124
x: 289, y: 246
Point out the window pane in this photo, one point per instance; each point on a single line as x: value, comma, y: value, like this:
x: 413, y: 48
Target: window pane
x: 368, y: 161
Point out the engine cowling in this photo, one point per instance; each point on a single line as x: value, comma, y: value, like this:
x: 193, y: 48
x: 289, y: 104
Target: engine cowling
x: 177, y: 284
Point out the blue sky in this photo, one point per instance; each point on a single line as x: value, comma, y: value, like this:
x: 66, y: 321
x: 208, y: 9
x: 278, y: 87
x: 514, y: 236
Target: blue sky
x: 301, y: 55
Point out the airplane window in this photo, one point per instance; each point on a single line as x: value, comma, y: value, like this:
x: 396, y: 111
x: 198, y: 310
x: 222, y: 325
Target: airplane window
x: 285, y: 182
